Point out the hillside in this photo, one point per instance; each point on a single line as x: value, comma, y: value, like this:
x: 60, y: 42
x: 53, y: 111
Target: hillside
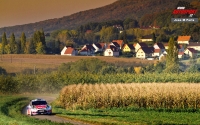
x: 120, y: 9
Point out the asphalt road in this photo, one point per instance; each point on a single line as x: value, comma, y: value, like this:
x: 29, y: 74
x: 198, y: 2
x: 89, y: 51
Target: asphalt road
x: 53, y: 117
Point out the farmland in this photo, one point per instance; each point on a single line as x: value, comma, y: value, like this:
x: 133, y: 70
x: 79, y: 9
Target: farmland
x: 15, y: 63
x: 100, y: 90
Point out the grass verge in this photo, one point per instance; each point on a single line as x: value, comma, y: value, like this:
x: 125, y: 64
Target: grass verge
x: 128, y: 116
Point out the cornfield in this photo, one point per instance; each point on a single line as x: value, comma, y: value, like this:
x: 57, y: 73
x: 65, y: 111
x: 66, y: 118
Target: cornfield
x: 139, y: 95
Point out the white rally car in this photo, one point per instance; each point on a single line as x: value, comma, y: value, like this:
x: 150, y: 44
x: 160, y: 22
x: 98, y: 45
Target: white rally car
x: 38, y: 106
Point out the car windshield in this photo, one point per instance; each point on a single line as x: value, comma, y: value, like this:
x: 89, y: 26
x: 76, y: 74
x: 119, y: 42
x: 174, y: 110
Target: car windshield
x: 39, y: 103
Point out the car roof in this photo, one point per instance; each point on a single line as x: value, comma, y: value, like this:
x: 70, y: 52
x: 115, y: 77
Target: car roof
x: 38, y: 100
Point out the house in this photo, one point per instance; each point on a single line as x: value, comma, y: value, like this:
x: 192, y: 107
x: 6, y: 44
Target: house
x: 145, y: 52
x: 120, y: 42
x: 116, y: 45
x: 183, y: 39
x: 111, y: 50
x: 139, y: 45
x: 87, y: 50
x: 190, y: 52
x: 70, y: 52
x: 194, y: 45
x: 157, y: 53
x: 128, y: 48
x: 159, y: 46
x: 103, y: 45
x: 64, y: 49
x: 180, y: 47
x: 146, y: 38
x: 97, y: 46
x: 181, y: 55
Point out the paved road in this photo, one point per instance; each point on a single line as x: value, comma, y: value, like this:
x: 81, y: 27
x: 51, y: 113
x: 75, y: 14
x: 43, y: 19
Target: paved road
x: 53, y: 117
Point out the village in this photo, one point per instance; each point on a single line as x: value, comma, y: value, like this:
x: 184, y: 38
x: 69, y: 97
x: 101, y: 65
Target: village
x: 141, y: 50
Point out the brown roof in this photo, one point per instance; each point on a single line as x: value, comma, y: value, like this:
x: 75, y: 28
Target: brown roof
x: 183, y: 38
x: 181, y: 53
x: 192, y: 50
x: 69, y: 50
x: 156, y: 50
x: 120, y: 42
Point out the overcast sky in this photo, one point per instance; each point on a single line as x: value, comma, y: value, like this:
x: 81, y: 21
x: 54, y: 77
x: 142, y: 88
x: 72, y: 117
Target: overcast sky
x: 17, y: 12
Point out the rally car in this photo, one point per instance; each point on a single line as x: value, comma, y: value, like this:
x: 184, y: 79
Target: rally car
x: 38, y: 106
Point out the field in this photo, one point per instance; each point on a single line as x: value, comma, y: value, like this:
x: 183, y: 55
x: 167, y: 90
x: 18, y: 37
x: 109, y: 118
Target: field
x: 14, y: 63
x: 117, y: 104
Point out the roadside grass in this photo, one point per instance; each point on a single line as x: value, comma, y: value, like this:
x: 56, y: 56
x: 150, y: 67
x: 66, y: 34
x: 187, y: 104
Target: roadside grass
x: 123, y: 116
x: 10, y: 112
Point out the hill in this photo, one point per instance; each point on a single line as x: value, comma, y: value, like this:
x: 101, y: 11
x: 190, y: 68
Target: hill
x: 121, y: 9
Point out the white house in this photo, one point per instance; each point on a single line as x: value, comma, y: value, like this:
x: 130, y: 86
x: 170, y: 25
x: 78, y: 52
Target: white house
x: 159, y: 46
x: 190, y: 52
x: 111, y: 50
x: 145, y: 52
x: 69, y: 51
x: 139, y: 45
x: 87, y: 50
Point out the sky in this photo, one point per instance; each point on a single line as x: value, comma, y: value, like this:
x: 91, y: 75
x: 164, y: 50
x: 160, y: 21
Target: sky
x: 18, y: 12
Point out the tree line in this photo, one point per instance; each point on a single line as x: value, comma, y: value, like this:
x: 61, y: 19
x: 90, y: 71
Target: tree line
x: 35, y: 44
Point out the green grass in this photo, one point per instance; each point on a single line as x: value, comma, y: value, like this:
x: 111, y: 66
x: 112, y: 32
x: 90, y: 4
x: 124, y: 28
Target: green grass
x: 122, y: 116
x: 10, y: 112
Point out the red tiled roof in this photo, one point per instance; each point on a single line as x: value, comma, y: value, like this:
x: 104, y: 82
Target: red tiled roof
x: 69, y: 50
x: 102, y: 44
x: 181, y: 53
x: 183, y: 38
x: 156, y: 50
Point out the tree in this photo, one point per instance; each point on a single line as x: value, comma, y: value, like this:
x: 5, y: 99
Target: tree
x: 4, y: 42
x: 30, y: 48
x: 172, y: 65
x: 7, y: 49
x: 37, y: 38
x: 13, y: 47
x: 40, y: 48
x: 22, y: 43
